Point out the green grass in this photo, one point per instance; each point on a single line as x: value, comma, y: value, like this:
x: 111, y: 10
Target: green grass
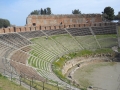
x: 118, y: 49
x: 88, y: 41
x: 48, y: 48
x: 60, y: 63
x: 59, y: 36
x: 39, y: 85
x: 106, y: 36
x: 6, y: 84
x: 119, y: 31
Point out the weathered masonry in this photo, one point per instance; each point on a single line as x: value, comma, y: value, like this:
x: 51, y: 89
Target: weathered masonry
x: 54, y: 27
x: 51, y: 20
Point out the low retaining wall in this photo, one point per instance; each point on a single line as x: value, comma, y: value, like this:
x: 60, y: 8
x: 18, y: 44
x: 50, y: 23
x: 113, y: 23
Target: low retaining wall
x: 80, y: 60
x: 34, y: 28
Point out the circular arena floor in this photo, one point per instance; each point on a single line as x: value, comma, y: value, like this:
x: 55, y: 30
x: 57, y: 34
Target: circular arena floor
x: 102, y: 76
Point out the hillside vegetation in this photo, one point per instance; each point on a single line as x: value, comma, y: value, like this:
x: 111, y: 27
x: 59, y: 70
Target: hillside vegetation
x: 55, y: 50
x: 6, y: 84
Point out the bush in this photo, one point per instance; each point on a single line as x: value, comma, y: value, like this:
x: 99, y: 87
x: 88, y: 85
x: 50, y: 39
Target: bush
x: 4, y: 23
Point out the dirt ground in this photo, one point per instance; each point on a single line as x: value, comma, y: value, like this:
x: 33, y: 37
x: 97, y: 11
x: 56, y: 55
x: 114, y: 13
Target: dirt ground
x: 102, y: 76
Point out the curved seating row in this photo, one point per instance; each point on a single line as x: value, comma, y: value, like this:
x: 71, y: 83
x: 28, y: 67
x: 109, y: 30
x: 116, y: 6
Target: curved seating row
x: 49, y: 45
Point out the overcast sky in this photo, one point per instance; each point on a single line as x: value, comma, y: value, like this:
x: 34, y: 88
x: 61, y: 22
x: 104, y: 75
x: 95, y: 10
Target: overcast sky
x: 16, y: 11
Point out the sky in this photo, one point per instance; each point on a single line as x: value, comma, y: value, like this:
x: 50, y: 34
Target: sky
x: 16, y: 11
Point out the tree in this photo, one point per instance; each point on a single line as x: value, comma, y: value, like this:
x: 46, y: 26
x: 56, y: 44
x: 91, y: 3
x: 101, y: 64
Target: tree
x: 1, y: 23
x: 104, y: 16
x: 4, y: 23
x: 48, y: 11
x: 109, y: 13
x: 76, y: 11
x: 42, y: 12
x: 45, y: 12
x: 39, y: 12
x: 119, y: 13
x: 117, y: 17
x: 35, y: 12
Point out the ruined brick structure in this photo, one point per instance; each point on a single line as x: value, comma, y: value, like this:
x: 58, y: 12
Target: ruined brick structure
x: 51, y: 20
x: 55, y: 27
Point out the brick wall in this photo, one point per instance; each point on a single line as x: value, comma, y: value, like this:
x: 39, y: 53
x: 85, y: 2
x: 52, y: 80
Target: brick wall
x: 45, y: 20
x: 53, y: 27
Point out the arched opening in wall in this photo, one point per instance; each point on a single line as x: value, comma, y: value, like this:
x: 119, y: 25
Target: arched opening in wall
x: 69, y: 26
x: 59, y: 27
x: 79, y: 25
x: 64, y: 26
x: 30, y: 28
x: 50, y: 27
x: 94, y: 24
x: 9, y: 30
x: 25, y: 28
x: 40, y: 27
x: 35, y: 28
x: 34, y: 24
x: 84, y: 25
x: 14, y: 29
x: 45, y: 28
x: 20, y: 29
x: 74, y: 25
x: 55, y: 27
x: 61, y: 23
x: 100, y: 24
x: 105, y: 24
x: 4, y: 30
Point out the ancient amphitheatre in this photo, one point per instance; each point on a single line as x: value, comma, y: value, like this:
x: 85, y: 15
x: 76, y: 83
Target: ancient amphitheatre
x: 42, y: 50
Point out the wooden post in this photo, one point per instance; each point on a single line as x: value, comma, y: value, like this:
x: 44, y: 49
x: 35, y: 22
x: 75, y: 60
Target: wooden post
x: 43, y: 85
x: 57, y: 86
x: 4, y: 71
x: 20, y: 79
x: 11, y: 76
x: 30, y: 85
x: 32, y: 80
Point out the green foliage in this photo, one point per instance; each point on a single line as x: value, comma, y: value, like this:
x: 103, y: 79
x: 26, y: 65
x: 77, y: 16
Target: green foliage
x: 39, y: 85
x: 3, y: 77
x: 84, y: 53
x: 46, y: 11
x: 106, y: 36
x: 103, y: 50
x: 58, y: 65
x: 46, y: 48
x: 117, y: 17
x: 109, y: 13
x: 60, y: 36
x: 76, y: 11
x: 35, y: 12
x: 42, y: 12
x: 4, y: 23
x: 60, y: 62
x: 6, y: 84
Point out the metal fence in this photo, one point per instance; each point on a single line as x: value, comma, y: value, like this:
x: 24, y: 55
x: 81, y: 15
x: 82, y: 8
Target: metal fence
x: 30, y: 82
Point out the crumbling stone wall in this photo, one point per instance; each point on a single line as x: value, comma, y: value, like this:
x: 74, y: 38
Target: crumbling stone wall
x: 50, y: 20
x: 52, y: 27
x: 81, y: 61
